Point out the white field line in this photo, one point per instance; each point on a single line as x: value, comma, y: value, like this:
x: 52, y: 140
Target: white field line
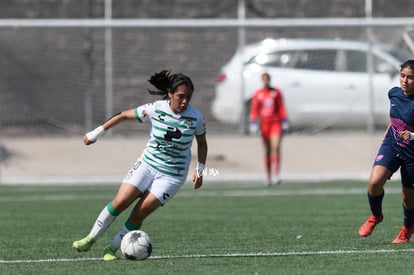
x: 235, y: 255
x: 265, y: 192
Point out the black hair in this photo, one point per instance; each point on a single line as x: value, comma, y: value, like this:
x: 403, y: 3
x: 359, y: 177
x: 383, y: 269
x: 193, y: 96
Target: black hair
x: 266, y: 74
x: 166, y: 82
x: 407, y: 64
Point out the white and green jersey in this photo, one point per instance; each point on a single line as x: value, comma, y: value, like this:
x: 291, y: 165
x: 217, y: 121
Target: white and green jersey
x: 168, y: 150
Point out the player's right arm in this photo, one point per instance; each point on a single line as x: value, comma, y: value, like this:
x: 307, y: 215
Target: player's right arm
x: 254, y: 107
x: 92, y: 136
x: 254, y: 113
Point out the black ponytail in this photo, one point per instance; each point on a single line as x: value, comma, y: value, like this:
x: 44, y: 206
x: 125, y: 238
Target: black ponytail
x: 161, y: 82
x: 166, y: 82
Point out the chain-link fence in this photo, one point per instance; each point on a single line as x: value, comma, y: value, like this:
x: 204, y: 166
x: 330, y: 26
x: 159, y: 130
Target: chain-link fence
x: 53, y: 80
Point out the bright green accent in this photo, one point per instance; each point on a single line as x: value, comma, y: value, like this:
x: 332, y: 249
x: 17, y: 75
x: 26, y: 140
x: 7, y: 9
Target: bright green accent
x: 84, y: 244
x: 163, y: 113
x: 131, y: 226
x: 168, y: 162
x: 167, y: 153
x: 181, y: 117
x: 137, y: 115
x: 176, y: 125
x: 171, y: 123
x: 109, y: 254
x: 193, y: 119
x: 111, y: 210
x: 168, y: 165
x: 181, y: 128
x: 159, y: 128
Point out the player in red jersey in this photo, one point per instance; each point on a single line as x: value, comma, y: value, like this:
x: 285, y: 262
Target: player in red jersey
x: 268, y: 111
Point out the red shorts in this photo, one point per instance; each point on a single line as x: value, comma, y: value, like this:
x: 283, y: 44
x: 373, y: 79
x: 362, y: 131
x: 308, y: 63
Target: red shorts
x: 270, y: 128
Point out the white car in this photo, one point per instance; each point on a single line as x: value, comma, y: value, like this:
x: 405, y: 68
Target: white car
x: 322, y: 81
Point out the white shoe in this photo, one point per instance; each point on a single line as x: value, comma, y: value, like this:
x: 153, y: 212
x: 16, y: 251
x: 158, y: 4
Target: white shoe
x: 276, y: 180
x: 267, y: 182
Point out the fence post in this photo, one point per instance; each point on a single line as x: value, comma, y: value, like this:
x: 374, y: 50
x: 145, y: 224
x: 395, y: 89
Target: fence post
x: 108, y: 64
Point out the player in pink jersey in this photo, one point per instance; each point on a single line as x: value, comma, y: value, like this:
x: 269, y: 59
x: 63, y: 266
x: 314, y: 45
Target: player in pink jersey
x: 268, y: 111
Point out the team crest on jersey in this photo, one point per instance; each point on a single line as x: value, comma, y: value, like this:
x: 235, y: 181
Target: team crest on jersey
x: 189, y: 122
x: 268, y: 102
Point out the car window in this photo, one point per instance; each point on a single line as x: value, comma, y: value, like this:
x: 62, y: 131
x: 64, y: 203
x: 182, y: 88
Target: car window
x: 316, y: 59
x: 400, y: 54
x: 298, y: 59
x: 356, y: 61
x: 282, y: 59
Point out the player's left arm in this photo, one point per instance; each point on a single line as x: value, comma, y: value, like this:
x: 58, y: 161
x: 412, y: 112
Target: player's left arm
x: 282, y: 113
x: 254, y: 113
x: 202, y: 149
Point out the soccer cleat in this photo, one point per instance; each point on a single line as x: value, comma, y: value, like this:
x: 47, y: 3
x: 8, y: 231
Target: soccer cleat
x: 84, y: 244
x: 276, y: 180
x: 267, y: 182
x: 366, y: 229
x: 109, y: 254
x: 404, y: 235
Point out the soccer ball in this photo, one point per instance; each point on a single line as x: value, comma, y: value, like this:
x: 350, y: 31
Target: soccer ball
x: 136, y: 245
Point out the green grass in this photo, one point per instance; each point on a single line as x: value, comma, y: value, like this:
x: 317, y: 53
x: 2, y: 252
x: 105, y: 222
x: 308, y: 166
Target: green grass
x: 294, y: 228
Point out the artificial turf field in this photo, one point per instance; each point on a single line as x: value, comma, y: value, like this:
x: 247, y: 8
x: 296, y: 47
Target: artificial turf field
x: 228, y: 228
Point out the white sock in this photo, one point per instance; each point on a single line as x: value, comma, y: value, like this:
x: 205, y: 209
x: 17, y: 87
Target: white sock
x: 116, y: 241
x: 102, y: 223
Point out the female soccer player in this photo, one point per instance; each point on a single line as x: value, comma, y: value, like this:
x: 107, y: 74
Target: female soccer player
x: 267, y: 107
x: 162, y: 168
x: 396, y: 151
